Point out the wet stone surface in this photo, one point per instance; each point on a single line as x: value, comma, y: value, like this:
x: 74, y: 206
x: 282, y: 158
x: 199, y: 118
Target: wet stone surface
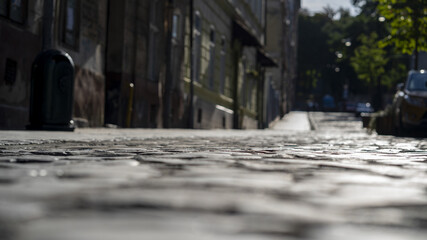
x: 336, y: 182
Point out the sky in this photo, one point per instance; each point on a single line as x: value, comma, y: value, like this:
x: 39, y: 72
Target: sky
x: 317, y: 5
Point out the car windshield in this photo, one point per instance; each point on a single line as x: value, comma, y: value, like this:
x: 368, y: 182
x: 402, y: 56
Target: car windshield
x: 418, y: 82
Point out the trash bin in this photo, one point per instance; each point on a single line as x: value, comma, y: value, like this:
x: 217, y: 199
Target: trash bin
x: 52, y: 86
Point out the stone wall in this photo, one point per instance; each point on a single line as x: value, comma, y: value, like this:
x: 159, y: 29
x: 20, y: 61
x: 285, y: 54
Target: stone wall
x: 89, y: 96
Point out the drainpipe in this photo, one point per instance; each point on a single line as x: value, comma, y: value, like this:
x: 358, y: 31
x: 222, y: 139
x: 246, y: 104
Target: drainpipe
x: 260, y: 97
x: 283, y: 67
x: 191, y: 107
x: 107, y: 31
x: 261, y: 86
x: 169, y: 74
x: 131, y: 87
x: 47, y: 25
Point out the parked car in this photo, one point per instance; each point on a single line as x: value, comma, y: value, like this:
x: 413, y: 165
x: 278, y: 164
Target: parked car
x: 410, y: 102
x: 350, y: 107
x: 363, y: 108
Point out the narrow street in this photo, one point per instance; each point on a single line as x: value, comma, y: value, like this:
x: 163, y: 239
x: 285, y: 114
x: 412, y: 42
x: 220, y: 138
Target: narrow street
x: 327, y: 180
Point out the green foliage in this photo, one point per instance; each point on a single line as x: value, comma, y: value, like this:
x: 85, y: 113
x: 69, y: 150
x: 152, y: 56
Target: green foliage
x: 408, y: 24
x: 396, y: 73
x: 313, y: 51
x: 314, y: 77
x: 369, y: 59
x: 337, y: 49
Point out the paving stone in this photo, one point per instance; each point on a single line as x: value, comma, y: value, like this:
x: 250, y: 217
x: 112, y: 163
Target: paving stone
x: 337, y: 182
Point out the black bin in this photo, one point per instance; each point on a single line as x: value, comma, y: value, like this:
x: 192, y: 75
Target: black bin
x: 52, y: 86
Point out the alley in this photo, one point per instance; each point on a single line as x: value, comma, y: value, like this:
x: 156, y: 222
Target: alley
x: 332, y: 182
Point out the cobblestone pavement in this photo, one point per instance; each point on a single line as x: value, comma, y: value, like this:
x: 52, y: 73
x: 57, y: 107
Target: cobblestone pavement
x: 336, y: 182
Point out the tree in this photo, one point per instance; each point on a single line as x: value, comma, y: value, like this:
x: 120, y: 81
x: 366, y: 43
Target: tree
x: 327, y: 53
x: 369, y: 62
x: 408, y: 25
x: 369, y: 59
x: 314, y: 54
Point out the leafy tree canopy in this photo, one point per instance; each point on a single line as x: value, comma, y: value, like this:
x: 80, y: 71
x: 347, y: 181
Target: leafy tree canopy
x: 369, y: 59
x: 408, y: 24
x: 337, y: 49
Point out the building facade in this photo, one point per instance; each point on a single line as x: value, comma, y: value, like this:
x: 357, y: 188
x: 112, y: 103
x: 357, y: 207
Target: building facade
x: 223, y: 63
x: 18, y: 26
x: 134, y: 63
x: 282, y: 21
x: 152, y: 64
x: 74, y: 26
x: 290, y: 46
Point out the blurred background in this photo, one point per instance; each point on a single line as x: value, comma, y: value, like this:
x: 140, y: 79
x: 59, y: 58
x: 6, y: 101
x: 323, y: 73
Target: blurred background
x: 205, y: 64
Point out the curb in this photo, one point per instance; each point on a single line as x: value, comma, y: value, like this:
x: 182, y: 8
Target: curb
x: 274, y: 122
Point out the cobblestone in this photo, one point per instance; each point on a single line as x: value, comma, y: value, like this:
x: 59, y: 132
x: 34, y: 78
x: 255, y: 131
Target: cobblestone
x: 336, y: 182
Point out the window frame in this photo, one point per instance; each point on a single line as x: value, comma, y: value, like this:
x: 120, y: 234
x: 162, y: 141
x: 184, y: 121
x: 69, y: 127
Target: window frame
x: 8, y: 12
x: 152, y: 71
x: 197, y: 45
x: 243, y: 90
x: 176, y: 25
x: 212, y: 56
x: 223, y: 64
x: 63, y: 25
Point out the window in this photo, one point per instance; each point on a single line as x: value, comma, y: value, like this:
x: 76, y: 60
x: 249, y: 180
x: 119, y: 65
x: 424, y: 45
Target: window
x: 211, y: 67
x: 4, y: 8
x: 175, y: 26
x: 176, y: 42
x: 197, y: 35
x: 244, y: 83
x: 10, y: 71
x: 199, y: 115
x: 257, y: 7
x: 70, y: 23
x: 222, y: 65
x: 153, y: 115
x: 212, y: 35
x: 15, y: 10
x: 418, y: 82
x: 250, y: 95
x: 259, y: 11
